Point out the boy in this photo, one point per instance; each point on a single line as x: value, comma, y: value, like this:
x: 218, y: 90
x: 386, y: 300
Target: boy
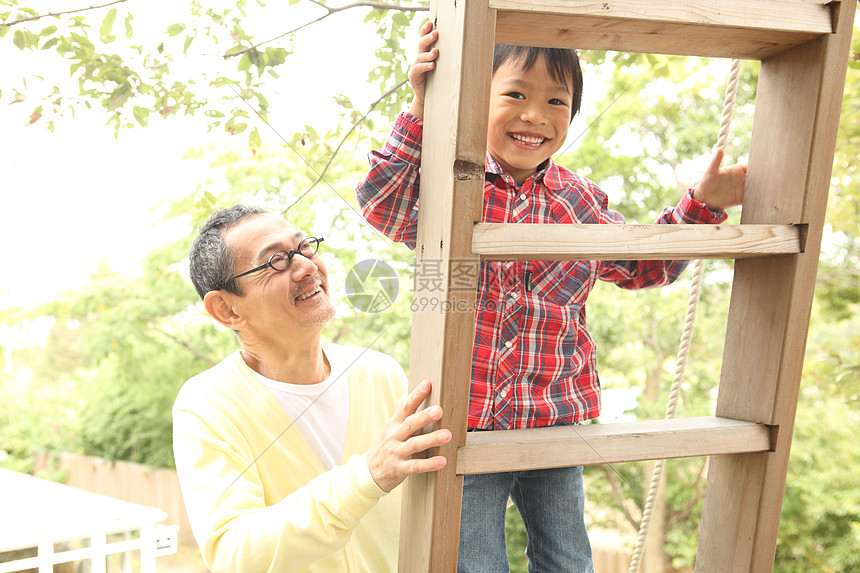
x: 533, y: 359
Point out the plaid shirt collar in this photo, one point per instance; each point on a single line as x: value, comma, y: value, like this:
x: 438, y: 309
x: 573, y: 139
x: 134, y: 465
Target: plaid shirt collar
x: 548, y: 174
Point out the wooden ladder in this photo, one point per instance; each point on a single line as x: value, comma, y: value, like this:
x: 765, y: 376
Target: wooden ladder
x: 803, y: 47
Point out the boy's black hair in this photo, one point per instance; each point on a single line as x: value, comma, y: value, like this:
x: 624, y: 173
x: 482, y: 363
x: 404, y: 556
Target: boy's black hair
x: 563, y: 65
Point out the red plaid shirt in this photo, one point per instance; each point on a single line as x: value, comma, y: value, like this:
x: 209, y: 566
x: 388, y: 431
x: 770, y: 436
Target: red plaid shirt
x: 534, y: 363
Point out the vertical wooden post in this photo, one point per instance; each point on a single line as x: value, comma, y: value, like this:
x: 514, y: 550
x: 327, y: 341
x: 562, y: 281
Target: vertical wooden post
x: 46, y: 556
x: 794, y: 133
x: 443, y: 320
x: 99, y: 552
x: 148, y: 542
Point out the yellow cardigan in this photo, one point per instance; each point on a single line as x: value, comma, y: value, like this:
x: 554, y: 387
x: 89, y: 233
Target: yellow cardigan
x: 257, y: 496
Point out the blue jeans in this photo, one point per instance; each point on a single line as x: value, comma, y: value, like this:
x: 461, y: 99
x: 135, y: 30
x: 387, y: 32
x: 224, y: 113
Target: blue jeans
x: 551, y: 503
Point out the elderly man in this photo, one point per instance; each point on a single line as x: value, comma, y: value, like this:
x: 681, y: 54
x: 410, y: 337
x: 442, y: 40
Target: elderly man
x: 289, y: 450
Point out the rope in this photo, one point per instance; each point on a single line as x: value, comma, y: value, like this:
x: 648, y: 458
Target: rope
x: 698, y: 267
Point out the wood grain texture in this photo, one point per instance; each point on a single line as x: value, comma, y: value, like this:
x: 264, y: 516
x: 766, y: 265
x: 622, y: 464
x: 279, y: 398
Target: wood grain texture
x: 561, y: 446
x: 794, y: 133
x: 733, y: 29
x: 452, y: 182
x: 556, y: 242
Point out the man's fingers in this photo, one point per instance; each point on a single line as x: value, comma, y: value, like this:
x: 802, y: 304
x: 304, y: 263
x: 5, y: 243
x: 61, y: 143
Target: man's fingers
x: 424, y: 442
x: 423, y: 466
x: 413, y: 423
x: 409, y: 404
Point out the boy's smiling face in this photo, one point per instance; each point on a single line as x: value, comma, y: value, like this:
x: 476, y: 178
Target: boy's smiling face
x: 530, y: 113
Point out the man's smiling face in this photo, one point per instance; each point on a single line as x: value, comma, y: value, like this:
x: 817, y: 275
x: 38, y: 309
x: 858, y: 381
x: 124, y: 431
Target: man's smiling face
x: 297, y: 297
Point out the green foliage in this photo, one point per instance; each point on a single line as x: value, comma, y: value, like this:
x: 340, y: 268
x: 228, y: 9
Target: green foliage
x: 832, y: 364
x: 168, y: 67
x: 516, y: 540
x: 838, y: 285
x: 127, y: 345
x: 120, y: 348
x: 36, y: 418
x: 820, y: 526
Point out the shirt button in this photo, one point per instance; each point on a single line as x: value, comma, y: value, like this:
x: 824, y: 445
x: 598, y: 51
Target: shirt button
x: 514, y: 295
x: 508, y: 344
x: 503, y: 393
x: 522, y: 196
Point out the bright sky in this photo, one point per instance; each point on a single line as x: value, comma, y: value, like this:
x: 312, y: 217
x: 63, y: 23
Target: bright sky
x: 77, y: 196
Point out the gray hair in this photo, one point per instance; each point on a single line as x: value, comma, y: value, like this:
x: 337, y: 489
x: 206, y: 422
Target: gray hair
x: 211, y: 262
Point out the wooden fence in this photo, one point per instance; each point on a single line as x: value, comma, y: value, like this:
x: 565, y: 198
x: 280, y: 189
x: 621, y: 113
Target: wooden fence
x: 126, y: 481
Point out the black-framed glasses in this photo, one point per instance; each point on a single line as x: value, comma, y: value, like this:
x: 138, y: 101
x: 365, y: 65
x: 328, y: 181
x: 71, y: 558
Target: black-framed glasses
x: 280, y: 260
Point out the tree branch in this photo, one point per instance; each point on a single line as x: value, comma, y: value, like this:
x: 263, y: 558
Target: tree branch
x: 321, y: 175
x: 684, y: 513
x: 185, y: 345
x: 54, y: 14
x: 618, y: 495
x: 330, y: 12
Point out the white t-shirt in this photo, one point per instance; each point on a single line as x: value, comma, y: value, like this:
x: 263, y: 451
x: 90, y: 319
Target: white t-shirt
x: 320, y: 411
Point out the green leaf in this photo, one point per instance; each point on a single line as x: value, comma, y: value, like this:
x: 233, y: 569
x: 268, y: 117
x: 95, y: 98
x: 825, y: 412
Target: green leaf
x: 275, y: 56
x: 35, y: 116
x: 175, y: 29
x: 221, y: 82
x: 233, y: 128
x: 129, y: 32
x: 188, y: 41
x: 118, y: 97
x: 254, y: 141
x: 24, y: 39
x: 244, y: 63
x: 141, y: 114
x: 343, y: 101
x: 107, y: 27
x: 50, y: 43
x: 48, y: 31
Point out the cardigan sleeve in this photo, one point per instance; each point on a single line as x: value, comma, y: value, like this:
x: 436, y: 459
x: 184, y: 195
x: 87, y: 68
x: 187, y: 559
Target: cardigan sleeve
x: 235, y: 527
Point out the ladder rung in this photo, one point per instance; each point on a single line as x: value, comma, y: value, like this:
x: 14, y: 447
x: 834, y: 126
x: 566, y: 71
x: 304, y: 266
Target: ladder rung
x: 566, y: 242
x: 560, y: 446
x: 729, y: 29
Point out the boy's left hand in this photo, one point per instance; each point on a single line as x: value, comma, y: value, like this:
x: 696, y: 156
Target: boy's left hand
x: 721, y: 188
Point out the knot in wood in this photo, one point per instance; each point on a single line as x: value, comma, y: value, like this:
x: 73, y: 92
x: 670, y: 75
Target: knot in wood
x: 466, y: 170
